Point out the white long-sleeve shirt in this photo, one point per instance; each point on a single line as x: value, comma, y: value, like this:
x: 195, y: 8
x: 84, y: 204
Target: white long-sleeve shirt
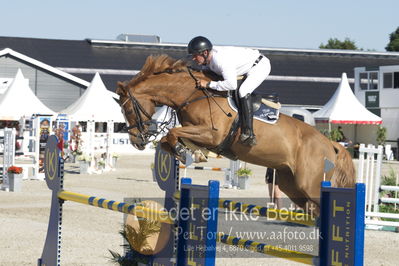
x: 230, y: 62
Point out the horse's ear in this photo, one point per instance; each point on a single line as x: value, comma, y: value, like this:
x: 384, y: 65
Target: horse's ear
x: 120, y: 89
x: 117, y: 100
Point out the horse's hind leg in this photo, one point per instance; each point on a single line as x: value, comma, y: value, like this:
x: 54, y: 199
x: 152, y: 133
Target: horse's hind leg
x: 308, y: 181
x: 288, y: 185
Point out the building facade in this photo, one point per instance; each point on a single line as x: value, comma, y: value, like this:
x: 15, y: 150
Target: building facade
x: 377, y: 88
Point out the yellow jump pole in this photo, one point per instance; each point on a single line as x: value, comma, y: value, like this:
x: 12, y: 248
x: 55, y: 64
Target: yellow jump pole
x: 270, y: 213
x: 134, y: 209
x: 266, y: 249
x: 273, y: 214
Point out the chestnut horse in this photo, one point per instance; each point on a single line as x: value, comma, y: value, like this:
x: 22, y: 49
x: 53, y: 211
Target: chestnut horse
x: 296, y: 150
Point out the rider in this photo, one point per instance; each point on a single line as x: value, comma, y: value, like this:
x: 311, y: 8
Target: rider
x: 230, y: 62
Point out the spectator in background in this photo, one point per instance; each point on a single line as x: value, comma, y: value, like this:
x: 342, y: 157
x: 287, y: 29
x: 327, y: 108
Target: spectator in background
x: 343, y: 138
x: 76, y: 138
x: 59, y: 132
x: 275, y: 193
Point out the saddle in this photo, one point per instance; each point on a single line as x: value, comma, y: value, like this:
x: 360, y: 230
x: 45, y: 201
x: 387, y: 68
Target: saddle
x: 266, y: 106
x: 266, y: 109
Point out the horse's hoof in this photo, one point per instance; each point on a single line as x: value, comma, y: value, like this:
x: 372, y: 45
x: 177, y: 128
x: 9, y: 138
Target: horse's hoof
x: 199, y: 157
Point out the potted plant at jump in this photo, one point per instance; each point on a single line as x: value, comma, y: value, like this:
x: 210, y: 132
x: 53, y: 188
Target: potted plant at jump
x: 15, y: 178
x: 142, y: 239
x: 101, y: 165
x: 115, y: 157
x: 74, y: 155
x: 243, y: 177
x: 84, y: 163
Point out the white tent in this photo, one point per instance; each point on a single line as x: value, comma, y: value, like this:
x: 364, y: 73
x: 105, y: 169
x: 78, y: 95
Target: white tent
x: 19, y: 100
x: 96, y: 104
x: 344, y: 108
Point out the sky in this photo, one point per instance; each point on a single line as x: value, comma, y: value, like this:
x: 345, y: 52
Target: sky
x: 259, y: 23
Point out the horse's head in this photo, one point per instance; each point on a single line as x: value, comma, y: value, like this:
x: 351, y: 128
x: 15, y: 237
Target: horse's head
x: 155, y: 85
x: 137, y: 109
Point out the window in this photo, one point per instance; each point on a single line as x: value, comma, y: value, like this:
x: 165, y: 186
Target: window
x: 120, y: 128
x: 396, y: 80
x: 368, y: 80
x: 299, y: 117
x: 391, y: 80
x: 388, y: 80
x: 363, y: 80
x: 83, y: 124
x: 100, y: 127
x: 373, y: 81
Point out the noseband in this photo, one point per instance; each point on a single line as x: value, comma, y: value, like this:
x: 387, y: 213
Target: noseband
x: 139, y: 111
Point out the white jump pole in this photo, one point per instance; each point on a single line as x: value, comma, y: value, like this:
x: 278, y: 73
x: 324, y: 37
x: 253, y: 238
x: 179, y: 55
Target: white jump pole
x: 377, y: 178
x: 110, y: 131
x: 8, y: 154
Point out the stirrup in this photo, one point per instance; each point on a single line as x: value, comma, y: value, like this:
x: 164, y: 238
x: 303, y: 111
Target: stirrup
x: 248, y: 139
x: 251, y: 141
x: 180, y: 153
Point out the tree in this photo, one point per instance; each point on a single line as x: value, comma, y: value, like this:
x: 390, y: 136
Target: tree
x: 347, y: 44
x: 393, y: 45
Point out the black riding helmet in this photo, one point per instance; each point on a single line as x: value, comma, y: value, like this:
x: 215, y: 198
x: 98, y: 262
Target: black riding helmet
x: 199, y: 44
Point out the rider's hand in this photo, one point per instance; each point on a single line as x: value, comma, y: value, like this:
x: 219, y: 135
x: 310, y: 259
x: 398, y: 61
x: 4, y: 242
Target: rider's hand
x: 203, y: 84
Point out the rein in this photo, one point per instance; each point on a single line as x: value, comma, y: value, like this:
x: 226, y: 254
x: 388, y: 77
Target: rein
x: 139, y: 110
x: 207, y: 93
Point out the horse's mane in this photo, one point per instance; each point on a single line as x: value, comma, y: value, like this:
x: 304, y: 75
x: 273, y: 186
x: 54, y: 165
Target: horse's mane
x: 157, y: 63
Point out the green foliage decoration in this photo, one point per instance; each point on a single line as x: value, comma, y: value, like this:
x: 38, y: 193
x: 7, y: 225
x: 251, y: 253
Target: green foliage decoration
x: 333, y: 135
x: 381, y: 135
x: 244, y: 171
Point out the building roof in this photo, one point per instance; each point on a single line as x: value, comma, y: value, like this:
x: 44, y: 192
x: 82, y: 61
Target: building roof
x: 29, y: 60
x: 300, y: 76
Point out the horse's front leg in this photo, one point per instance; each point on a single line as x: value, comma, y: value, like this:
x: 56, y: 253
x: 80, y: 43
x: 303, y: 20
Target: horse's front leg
x: 176, y: 150
x: 203, y: 136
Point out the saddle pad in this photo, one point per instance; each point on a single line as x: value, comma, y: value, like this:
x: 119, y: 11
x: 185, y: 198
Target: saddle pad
x: 262, y: 113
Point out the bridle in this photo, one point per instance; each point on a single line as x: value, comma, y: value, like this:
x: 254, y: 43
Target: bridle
x: 141, y: 114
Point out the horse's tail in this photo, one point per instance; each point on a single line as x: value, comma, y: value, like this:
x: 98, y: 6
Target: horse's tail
x: 344, y: 171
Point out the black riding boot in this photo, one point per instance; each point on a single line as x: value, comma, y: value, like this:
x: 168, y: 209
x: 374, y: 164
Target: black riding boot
x: 247, y: 133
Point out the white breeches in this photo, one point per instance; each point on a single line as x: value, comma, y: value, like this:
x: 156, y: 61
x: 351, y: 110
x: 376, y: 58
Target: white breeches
x: 255, y: 77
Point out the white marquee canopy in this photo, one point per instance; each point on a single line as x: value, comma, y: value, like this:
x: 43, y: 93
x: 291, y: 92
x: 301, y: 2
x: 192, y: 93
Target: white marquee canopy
x: 344, y: 108
x: 96, y: 104
x: 19, y: 101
